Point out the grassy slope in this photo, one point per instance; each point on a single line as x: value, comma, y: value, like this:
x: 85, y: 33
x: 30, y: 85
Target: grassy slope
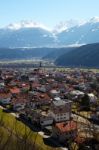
x: 20, y: 129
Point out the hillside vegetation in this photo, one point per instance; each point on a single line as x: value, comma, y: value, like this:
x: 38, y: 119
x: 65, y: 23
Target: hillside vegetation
x: 85, y: 56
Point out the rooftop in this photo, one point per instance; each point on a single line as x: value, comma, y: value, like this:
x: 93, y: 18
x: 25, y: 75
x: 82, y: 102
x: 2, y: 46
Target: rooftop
x: 60, y: 102
x: 66, y: 126
x: 15, y: 90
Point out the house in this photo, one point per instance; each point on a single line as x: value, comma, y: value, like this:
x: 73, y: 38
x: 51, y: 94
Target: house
x: 15, y: 90
x: 24, y: 77
x: 32, y: 79
x: 35, y: 86
x: 18, y: 102
x: 92, y: 98
x: 45, y: 119
x: 5, y: 98
x: 54, y: 93
x: 42, y: 89
x: 76, y: 93
x: 18, y: 106
x: 38, y: 99
x: 25, y: 87
x: 5, y: 101
x: 65, y: 131
x: 61, y: 110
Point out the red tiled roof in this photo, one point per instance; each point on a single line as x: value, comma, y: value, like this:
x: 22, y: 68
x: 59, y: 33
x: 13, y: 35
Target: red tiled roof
x: 66, y: 126
x: 43, y: 96
x: 15, y: 90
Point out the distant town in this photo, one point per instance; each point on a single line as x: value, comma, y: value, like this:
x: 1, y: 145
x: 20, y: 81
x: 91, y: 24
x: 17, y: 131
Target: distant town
x: 27, y: 63
x: 60, y: 105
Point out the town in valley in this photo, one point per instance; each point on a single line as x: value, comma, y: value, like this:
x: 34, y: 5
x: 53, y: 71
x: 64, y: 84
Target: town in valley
x: 60, y: 105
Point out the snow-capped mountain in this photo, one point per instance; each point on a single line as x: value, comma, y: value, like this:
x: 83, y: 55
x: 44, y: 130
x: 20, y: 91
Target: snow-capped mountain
x: 94, y: 20
x: 83, y: 33
x: 26, y: 24
x: 33, y: 34
x: 65, y: 25
x: 26, y: 34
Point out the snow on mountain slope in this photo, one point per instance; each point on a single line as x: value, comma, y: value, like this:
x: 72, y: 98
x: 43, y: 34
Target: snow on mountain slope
x: 33, y: 34
x: 83, y: 33
x: 26, y: 24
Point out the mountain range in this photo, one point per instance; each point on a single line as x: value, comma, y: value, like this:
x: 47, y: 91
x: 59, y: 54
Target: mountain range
x: 85, y: 33
x: 31, y: 34
x: 24, y: 53
x: 70, y: 44
x: 57, y: 52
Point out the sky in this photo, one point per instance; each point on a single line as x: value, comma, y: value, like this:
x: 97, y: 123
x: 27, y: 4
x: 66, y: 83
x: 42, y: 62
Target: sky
x: 48, y: 12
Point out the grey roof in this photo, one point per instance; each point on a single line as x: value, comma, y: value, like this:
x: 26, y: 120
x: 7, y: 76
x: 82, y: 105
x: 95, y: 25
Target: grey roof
x: 60, y: 102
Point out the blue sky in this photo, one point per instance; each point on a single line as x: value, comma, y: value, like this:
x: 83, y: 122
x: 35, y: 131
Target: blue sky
x: 48, y: 12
